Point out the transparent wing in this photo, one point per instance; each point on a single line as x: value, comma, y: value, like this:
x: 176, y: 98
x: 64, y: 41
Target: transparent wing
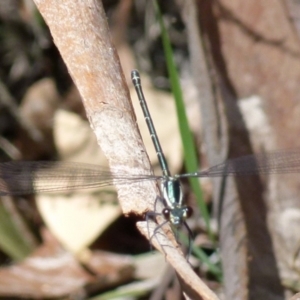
x: 28, y: 177
x: 21, y: 177
x: 279, y: 162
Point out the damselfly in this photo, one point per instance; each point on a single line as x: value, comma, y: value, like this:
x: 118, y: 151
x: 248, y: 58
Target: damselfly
x: 23, y: 177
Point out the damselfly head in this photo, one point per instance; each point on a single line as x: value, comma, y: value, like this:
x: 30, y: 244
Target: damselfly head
x: 178, y: 215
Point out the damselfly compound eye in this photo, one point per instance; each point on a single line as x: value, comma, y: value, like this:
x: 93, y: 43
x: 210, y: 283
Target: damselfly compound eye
x: 188, y: 211
x: 166, y: 213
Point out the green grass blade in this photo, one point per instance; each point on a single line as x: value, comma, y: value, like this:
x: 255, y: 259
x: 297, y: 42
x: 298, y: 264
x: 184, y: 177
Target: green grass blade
x: 203, y: 257
x: 190, y: 156
x: 212, y: 268
x: 11, y: 240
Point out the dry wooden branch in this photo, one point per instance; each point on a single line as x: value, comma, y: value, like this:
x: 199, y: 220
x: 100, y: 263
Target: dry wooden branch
x: 80, y: 31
